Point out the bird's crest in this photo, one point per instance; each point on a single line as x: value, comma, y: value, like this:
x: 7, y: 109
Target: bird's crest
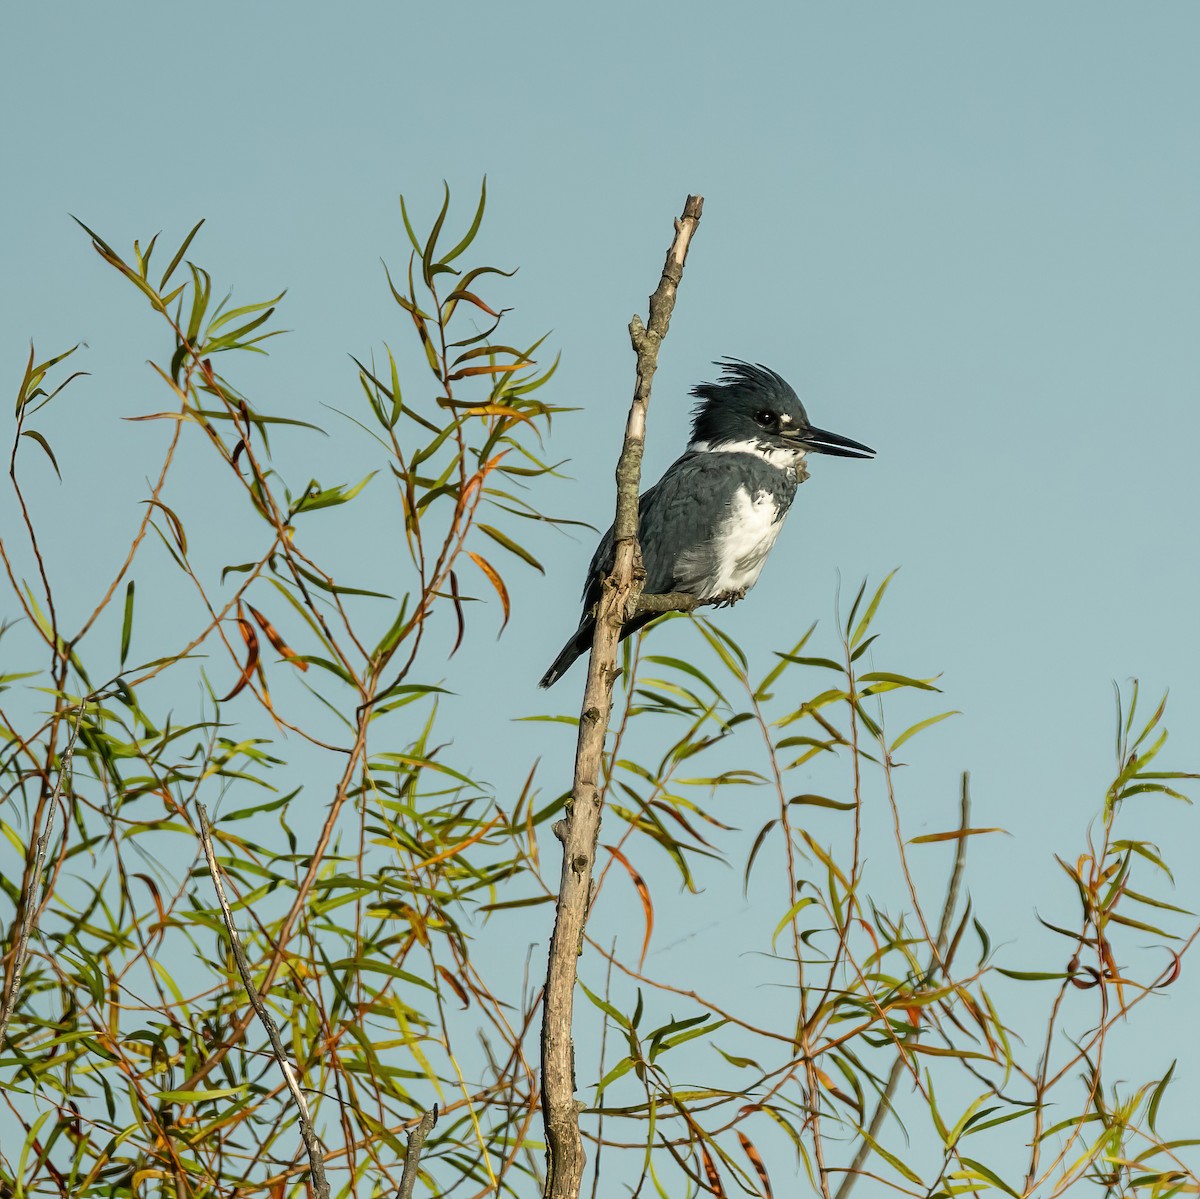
x: 741, y: 388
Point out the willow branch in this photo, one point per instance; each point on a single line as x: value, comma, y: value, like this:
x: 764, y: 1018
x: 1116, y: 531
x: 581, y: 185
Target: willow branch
x: 938, y: 950
x: 579, y: 830
x: 316, y: 1159
x: 29, y: 899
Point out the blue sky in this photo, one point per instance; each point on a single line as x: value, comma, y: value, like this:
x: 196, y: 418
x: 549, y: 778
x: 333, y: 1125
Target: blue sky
x: 968, y: 235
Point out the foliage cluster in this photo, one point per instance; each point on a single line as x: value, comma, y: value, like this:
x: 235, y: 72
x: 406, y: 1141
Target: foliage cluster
x: 130, y: 1059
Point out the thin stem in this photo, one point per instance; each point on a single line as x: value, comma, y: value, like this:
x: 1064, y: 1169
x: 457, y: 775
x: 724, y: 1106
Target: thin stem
x: 29, y: 898
x: 316, y: 1160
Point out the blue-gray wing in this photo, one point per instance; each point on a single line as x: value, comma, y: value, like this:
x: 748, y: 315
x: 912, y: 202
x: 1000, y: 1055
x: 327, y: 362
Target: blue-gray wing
x: 679, y: 521
x: 680, y: 517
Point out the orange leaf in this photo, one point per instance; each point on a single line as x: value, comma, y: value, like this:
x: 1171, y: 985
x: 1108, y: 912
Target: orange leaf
x: 152, y: 887
x: 832, y: 1087
x: 495, y: 580
x: 644, y: 892
x: 757, y: 1162
x: 251, y: 639
x: 1172, y: 974
x: 274, y: 638
x: 455, y: 986
x: 472, y: 298
x: 714, y: 1179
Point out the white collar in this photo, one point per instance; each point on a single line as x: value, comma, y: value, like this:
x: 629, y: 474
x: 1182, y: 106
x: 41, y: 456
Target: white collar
x: 782, y: 457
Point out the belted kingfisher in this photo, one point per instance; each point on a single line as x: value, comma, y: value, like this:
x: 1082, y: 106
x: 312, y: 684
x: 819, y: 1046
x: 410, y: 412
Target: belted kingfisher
x: 706, y: 527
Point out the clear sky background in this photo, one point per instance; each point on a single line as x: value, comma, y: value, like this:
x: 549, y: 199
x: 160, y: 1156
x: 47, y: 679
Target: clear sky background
x: 968, y: 234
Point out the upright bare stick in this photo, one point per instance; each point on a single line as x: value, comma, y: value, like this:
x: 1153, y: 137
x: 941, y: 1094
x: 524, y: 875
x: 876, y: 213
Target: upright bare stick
x: 416, y: 1141
x: 316, y: 1159
x: 580, y: 829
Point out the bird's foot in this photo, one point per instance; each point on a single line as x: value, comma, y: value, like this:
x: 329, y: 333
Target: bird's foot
x: 728, y: 598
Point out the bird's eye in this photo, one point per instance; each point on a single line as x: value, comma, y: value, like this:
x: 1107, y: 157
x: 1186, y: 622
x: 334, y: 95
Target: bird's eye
x: 764, y: 419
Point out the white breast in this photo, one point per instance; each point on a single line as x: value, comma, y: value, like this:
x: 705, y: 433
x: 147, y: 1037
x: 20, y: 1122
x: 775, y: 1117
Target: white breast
x: 744, y: 541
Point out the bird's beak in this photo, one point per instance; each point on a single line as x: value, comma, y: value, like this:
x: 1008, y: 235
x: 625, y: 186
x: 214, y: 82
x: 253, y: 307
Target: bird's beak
x: 819, y: 441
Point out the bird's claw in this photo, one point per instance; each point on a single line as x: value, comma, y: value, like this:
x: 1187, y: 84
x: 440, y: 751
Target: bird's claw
x: 728, y: 598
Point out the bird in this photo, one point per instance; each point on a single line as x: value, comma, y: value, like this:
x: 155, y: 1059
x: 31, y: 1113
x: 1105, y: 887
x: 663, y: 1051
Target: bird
x: 706, y: 527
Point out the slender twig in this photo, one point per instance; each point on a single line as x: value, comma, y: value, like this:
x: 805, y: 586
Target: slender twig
x: 35, y: 883
x: 416, y: 1140
x: 580, y: 829
x: 669, y: 601
x: 600, y: 1072
x: 316, y: 1159
x: 937, y: 954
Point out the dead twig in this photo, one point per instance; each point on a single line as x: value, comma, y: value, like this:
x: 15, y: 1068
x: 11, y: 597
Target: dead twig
x: 416, y: 1140
x: 578, y: 832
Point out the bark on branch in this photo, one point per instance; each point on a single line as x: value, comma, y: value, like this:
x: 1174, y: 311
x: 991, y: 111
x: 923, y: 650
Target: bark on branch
x: 579, y: 831
x: 416, y: 1141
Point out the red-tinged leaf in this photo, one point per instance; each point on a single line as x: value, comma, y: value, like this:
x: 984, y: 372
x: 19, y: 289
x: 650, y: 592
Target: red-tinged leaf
x: 643, y: 893
x: 500, y: 368
x: 710, y: 1170
x: 176, y: 524
x: 156, y: 895
x: 488, y: 349
x: 237, y: 452
x: 45, y: 446
x: 833, y: 1088
x: 471, y: 298
x: 251, y: 639
x: 1172, y: 974
x: 757, y: 1162
x: 455, y: 986
x: 953, y: 835
x: 496, y: 581
x: 281, y: 646
x: 458, y: 613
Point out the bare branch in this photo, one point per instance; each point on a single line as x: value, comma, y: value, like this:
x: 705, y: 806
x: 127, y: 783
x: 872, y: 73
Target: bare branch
x: 580, y: 829
x: 668, y: 601
x: 316, y: 1160
x: 416, y: 1140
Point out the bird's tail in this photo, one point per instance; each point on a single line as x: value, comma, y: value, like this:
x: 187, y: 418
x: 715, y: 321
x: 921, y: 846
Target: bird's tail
x: 579, y: 645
